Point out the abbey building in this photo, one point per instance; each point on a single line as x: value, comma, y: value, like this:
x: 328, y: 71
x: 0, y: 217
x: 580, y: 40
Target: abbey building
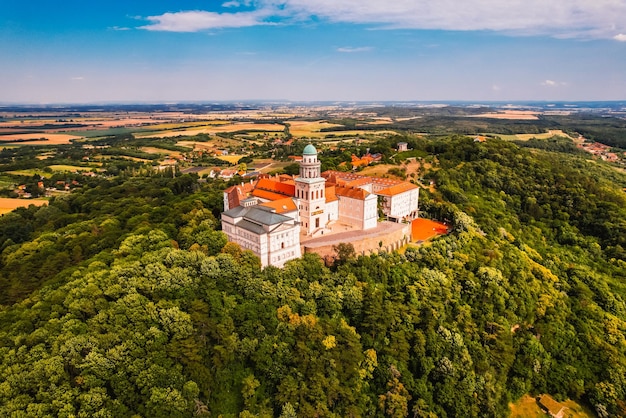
x: 273, y: 215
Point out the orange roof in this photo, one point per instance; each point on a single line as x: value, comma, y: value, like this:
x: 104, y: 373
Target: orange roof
x: 358, y: 163
x: 286, y: 178
x: 282, y: 205
x: 246, y: 188
x: 350, y: 192
x: 330, y: 194
x: 385, y: 182
x: 236, y: 194
x: 405, y: 186
x: 264, y: 194
x: 424, y: 229
x: 359, y: 182
x: 273, y: 186
x: 340, y: 175
x: 365, y: 160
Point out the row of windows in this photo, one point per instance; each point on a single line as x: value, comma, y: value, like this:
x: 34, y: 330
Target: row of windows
x: 248, y: 236
x: 247, y: 246
x: 319, y: 194
x: 283, y: 256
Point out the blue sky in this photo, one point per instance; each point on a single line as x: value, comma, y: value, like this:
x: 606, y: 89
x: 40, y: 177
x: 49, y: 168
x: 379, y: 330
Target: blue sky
x: 346, y: 50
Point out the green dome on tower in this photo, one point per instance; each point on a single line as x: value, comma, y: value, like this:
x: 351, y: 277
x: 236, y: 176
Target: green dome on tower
x: 309, y: 150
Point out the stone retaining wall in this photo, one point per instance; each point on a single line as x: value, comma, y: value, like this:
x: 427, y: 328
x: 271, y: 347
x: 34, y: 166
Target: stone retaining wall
x: 365, y: 242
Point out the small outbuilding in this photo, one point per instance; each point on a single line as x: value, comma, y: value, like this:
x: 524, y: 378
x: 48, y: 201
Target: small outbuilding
x: 551, y: 407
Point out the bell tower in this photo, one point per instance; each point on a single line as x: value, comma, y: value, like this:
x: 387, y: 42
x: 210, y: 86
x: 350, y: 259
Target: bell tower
x: 310, y: 189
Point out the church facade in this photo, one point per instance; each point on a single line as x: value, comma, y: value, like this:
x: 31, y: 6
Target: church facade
x: 272, y: 215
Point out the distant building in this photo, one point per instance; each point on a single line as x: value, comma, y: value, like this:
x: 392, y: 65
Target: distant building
x: 402, y: 146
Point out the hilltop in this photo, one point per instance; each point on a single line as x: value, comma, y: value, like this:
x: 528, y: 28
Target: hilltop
x: 121, y: 296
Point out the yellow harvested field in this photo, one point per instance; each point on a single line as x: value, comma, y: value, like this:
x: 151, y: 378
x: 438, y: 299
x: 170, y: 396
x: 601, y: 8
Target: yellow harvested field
x: 154, y: 150
x: 52, y: 139
x: 509, y: 114
x: 231, y: 127
x: 549, y: 134
x: 196, y: 145
x: 231, y: 158
x: 7, y: 204
x: 358, y: 133
x: 172, y: 134
x: 269, y: 127
x: 380, y: 121
x: 166, y: 126
x: 377, y: 170
x: 304, y: 128
x: 313, y: 129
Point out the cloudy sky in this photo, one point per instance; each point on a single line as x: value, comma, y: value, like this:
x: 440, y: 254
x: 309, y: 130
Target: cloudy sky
x: 348, y: 50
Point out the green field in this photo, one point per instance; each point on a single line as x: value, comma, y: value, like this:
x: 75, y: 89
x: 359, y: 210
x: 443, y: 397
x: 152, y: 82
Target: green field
x: 30, y: 172
x: 55, y: 168
x: 62, y: 167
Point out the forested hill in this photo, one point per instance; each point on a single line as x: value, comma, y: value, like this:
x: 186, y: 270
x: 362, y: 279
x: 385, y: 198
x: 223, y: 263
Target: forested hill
x: 133, y: 304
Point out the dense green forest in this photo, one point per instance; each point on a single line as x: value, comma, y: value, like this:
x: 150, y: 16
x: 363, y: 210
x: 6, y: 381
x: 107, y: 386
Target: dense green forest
x: 124, y: 298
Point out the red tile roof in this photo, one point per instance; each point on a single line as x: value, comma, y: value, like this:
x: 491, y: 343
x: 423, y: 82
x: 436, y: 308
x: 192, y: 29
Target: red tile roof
x: 351, y: 192
x: 282, y: 205
x: 359, y: 182
x: 264, y: 194
x: 273, y: 186
x: 236, y: 194
x: 330, y: 194
x: 397, y: 189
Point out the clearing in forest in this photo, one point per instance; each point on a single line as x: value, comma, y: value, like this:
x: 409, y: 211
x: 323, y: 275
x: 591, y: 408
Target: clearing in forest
x: 8, y: 204
x: 527, y: 407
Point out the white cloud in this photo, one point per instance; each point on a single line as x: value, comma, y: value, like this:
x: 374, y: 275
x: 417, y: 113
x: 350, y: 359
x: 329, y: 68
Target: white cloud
x: 552, y: 83
x: 349, y: 49
x: 621, y: 37
x: 80, y: 78
x: 197, y: 20
x: 236, y: 3
x: 558, y: 18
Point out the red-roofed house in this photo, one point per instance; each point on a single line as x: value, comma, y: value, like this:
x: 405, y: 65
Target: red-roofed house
x: 235, y: 194
x: 399, y: 202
